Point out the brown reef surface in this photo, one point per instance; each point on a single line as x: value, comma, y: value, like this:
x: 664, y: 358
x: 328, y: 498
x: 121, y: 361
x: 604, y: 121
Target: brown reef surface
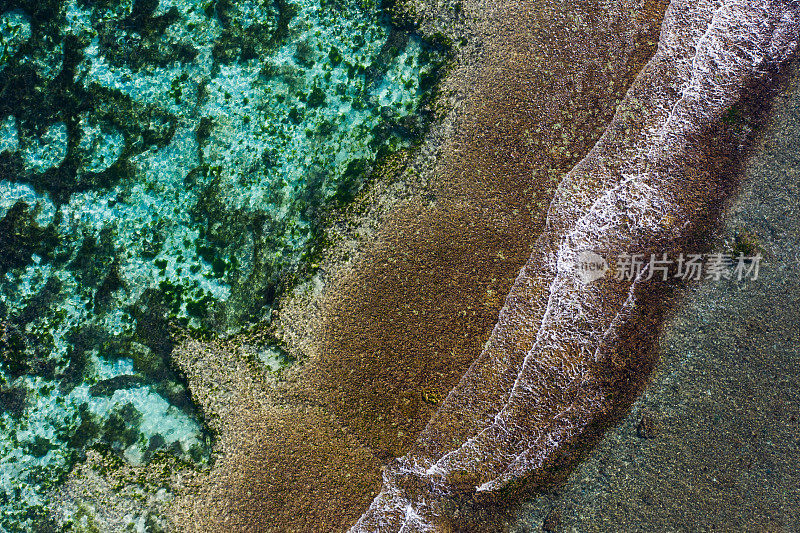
x: 412, y: 284
x: 567, y: 357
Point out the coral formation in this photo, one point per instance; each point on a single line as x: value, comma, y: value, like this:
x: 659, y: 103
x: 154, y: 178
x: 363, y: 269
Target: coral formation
x: 168, y: 166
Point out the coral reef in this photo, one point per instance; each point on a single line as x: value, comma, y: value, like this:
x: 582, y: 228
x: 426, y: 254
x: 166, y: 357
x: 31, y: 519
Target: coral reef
x: 167, y: 167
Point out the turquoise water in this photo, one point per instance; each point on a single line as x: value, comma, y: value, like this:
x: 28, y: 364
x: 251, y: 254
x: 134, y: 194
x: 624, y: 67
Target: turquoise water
x: 164, y: 167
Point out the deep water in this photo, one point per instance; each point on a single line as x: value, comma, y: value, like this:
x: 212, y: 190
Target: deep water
x: 165, y: 167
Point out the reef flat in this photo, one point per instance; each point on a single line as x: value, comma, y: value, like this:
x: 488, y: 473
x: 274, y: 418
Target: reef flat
x: 166, y: 169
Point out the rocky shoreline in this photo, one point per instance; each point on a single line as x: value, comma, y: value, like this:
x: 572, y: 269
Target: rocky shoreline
x: 407, y: 292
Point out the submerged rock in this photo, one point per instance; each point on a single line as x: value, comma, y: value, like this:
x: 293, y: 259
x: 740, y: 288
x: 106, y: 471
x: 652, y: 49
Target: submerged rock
x: 15, y: 30
x: 168, y: 167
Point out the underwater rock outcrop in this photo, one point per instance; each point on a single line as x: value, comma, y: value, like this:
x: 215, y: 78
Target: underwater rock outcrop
x: 566, y: 356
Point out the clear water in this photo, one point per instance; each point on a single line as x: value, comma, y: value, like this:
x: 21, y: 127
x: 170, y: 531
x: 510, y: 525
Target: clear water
x: 166, y: 166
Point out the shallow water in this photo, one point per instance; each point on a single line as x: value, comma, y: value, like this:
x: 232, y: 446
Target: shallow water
x: 168, y: 166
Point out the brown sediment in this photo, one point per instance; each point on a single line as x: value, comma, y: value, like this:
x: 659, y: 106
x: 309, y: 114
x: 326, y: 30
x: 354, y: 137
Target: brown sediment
x: 414, y: 289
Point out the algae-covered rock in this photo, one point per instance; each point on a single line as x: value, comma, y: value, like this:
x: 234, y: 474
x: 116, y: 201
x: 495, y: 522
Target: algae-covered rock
x: 15, y: 30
